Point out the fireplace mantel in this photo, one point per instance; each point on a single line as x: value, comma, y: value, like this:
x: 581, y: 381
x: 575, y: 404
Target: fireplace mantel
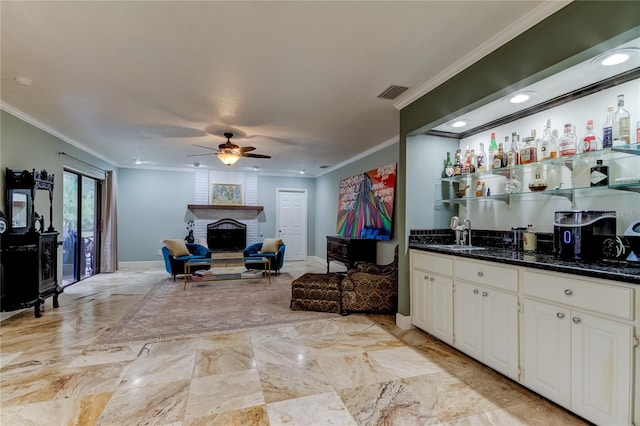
x: 206, y: 211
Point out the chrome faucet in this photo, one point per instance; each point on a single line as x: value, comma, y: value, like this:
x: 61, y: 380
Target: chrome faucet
x: 467, y: 231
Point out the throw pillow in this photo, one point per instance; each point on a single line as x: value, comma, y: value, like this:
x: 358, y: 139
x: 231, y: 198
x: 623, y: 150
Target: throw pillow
x: 271, y: 245
x: 177, y: 248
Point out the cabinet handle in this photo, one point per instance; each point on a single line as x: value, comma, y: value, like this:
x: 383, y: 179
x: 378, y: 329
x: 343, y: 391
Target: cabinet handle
x: 431, y: 279
x: 568, y: 292
x: 577, y: 320
x: 560, y: 315
x: 476, y: 291
x: 485, y: 294
x: 480, y: 274
x: 426, y: 277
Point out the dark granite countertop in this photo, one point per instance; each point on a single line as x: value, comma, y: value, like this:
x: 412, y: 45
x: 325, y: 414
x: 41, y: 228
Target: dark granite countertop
x: 611, y: 270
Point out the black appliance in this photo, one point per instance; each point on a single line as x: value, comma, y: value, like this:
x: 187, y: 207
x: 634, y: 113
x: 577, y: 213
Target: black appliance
x: 632, y: 235
x: 583, y: 234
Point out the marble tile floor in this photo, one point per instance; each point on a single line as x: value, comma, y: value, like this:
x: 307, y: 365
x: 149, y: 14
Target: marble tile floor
x: 354, y: 370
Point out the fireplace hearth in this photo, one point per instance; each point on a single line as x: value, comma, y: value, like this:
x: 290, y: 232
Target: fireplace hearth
x: 226, y: 235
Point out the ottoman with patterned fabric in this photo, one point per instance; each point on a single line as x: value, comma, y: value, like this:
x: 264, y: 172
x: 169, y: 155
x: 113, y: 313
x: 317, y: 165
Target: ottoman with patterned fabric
x: 317, y: 292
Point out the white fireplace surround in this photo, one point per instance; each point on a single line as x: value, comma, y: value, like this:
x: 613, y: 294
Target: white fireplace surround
x: 203, y: 179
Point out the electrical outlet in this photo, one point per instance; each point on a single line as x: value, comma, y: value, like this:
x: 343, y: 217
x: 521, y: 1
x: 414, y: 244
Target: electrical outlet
x: 159, y: 252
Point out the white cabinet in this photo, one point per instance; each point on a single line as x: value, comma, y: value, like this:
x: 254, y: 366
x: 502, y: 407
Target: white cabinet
x: 547, y: 351
x: 576, y: 343
x: 432, y: 294
x: 577, y: 359
x: 486, y: 326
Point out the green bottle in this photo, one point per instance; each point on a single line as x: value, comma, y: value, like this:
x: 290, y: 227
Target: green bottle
x: 493, y: 150
x: 448, y: 166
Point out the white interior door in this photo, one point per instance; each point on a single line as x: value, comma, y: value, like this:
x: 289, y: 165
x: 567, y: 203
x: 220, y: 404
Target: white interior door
x: 291, y: 222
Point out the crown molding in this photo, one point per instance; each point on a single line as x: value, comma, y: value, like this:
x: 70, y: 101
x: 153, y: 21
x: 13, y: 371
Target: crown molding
x: 360, y: 156
x: 546, y: 9
x: 10, y: 109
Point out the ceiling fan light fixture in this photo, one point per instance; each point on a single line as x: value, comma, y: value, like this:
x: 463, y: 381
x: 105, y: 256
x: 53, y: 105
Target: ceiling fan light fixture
x: 228, y: 158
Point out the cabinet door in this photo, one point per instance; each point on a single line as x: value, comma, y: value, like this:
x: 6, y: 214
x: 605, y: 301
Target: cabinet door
x: 500, y: 323
x: 441, y: 308
x: 547, y: 351
x: 467, y: 319
x: 601, y: 369
x: 419, y: 299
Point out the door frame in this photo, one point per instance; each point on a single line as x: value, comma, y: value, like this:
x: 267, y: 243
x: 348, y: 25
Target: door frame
x: 303, y: 243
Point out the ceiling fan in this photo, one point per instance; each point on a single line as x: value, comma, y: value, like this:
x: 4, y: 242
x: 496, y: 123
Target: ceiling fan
x: 229, y: 153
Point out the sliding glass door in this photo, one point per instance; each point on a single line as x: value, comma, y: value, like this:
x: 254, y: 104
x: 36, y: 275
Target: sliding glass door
x: 81, y: 233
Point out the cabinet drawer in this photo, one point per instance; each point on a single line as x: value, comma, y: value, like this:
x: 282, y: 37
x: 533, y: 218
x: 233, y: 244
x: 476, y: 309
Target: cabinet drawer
x: 440, y: 264
x: 485, y: 273
x: 603, y: 298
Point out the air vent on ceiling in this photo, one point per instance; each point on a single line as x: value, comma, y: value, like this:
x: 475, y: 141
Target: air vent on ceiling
x: 392, y: 92
x: 324, y: 167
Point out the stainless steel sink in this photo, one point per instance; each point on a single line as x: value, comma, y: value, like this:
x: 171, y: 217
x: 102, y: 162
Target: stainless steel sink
x: 455, y: 247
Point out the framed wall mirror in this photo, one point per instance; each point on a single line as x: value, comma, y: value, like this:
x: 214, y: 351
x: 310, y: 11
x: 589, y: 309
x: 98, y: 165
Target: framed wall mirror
x: 20, y: 206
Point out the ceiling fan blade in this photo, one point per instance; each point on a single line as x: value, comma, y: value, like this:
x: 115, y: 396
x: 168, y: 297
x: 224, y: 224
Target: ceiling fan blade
x: 246, y: 149
x: 205, y: 147
x: 255, y: 155
x: 199, y: 155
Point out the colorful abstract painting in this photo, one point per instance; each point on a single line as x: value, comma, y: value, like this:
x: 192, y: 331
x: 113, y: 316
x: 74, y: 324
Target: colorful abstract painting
x: 365, y: 204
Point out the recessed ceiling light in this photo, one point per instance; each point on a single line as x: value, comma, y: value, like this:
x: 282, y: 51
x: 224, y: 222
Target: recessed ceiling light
x: 302, y: 172
x: 137, y: 161
x: 615, y: 57
x: 459, y: 123
x: 255, y: 168
x: 519, y: 97
x: 24, y: 81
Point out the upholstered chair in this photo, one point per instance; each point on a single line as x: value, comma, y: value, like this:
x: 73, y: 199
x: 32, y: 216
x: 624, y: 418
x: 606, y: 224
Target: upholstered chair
x: 177, y: 252
x: 273, y: 248
x: 371, y: 288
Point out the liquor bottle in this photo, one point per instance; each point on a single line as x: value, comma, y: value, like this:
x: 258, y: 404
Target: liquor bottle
x: 599, y: 174
x: 548, y: 145
x: 590, y: 142
x: 457, y: 166
x: 513, y: 156
x: 607, y: 129
x: 481, y: 159
x: 448, y: 166
x: 493, y: 150
x: 505, y: 156
x: 567, y: 141
x: 479, y: 192
x: 466, y: 161
x: 472, y: 161
x: 497, y: 159
x: 529, y: 151
x: 621, y: 124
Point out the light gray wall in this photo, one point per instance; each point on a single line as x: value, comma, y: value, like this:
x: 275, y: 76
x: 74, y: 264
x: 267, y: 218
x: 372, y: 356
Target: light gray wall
x: 151, y: 207
x: 425, y: 160
x: 267, y: 187
x: 152, y: 204
x: 327, y: 200
x: 23, y: 146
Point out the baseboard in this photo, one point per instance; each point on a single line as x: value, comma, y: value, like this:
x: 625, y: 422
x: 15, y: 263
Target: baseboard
x: 403, y: 322
x: 141, y: 264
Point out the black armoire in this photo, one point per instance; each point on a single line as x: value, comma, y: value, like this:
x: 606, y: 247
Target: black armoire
x: 28, y: 252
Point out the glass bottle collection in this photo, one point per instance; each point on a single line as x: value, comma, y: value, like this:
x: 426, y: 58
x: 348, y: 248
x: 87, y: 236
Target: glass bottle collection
x: 615, y: 132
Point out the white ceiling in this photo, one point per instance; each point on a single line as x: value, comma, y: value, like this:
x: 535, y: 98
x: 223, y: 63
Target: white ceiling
x: 296, y: 80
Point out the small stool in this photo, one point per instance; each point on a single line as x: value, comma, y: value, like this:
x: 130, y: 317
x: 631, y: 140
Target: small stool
x: 317, y: 292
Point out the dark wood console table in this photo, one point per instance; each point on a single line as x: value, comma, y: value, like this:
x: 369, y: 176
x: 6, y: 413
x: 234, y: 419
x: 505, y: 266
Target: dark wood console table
x: 351, y: 250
